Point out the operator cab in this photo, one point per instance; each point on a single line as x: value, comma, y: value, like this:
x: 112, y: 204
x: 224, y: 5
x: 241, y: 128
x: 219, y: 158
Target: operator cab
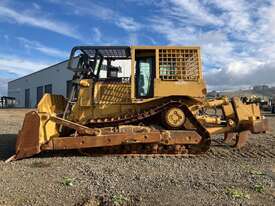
x: 112, y: 71
x: 97, y: 62
x: 102, y: 64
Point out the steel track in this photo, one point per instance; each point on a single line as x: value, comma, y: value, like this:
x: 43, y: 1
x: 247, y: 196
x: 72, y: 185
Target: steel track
x: 143, y: 116
x: 212, y: 153
x: 151, y: 112
x: 136, y: 117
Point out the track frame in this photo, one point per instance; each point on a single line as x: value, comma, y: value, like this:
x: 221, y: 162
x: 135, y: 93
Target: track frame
x: 165, y: 137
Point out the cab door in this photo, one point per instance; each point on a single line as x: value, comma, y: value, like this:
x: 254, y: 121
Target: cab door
x: 145, y: 75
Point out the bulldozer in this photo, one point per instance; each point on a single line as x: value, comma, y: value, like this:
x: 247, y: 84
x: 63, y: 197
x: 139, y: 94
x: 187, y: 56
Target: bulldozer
x: 159, y: 108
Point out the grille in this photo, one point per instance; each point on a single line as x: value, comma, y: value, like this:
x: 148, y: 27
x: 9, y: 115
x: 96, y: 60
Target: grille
x: 179, y: 64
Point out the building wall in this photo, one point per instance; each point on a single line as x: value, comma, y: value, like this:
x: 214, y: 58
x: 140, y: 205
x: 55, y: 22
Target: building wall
x: 56, y: 75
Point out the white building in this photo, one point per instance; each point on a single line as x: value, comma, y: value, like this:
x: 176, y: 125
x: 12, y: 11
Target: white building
x: 56, y: 79
x: 29, y: 89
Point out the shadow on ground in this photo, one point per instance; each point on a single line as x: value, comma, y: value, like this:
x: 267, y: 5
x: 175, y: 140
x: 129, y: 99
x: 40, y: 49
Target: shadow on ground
x: 7, y: 145
x: 7, y: 149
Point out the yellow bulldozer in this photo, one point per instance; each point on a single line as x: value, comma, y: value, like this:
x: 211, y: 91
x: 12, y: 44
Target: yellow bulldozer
x: 160, y: 108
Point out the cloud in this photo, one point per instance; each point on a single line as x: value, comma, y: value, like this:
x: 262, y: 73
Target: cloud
x: 3, y: 86
x: 262, y: 74
x: 20, y: 66
x: 128, y: 24
x: 133, y: 39
x: 97, y: 35
x: 194, y: 9
x: 20, y: 17
x: 237, y: 36
x: 89, y: 8
x: 16, y: 66
x: 36, y: 6
x: 235, y: 13
x: 216, y: 48
x: 237, y: 40
x: 42, y: 48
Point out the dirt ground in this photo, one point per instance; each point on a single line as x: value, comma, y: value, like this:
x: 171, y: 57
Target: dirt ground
x: 223, y: 176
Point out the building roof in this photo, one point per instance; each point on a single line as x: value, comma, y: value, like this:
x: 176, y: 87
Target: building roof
x: 49, y: 67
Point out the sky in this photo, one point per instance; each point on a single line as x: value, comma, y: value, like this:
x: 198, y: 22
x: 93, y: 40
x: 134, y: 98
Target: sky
x: 237, y: 37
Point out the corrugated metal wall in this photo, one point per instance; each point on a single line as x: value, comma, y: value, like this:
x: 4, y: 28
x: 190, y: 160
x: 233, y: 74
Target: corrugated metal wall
x: 56, y: 75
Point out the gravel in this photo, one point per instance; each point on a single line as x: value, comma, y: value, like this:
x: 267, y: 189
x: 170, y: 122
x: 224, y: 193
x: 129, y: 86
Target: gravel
x: 70, y: 178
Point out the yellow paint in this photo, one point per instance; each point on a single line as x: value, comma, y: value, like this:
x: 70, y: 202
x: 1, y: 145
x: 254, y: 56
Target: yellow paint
x: 110, y: 99
x: 49, y: 105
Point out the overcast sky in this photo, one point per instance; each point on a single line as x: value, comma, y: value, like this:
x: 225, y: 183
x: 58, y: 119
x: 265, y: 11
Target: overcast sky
x: 237, y: 36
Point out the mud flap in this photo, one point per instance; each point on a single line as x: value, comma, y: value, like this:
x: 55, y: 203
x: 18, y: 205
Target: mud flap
x: 27, y: 141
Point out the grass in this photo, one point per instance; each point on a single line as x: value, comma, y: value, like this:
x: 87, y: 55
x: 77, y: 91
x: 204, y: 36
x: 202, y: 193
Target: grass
x: 67, y: 181
x: 259, y: 188
x: 119, y: 200
x: 252, y: 170
x: 237, y: 193
x: 256, y: 172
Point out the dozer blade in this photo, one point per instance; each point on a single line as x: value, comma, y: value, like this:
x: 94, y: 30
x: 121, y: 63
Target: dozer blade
x: 37, y: 127
x: 27, y: 142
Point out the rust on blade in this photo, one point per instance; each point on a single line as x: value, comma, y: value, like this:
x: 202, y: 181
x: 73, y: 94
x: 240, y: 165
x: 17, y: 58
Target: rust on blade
x: 27, y: 141
x: 259, y: 126
x: 242, y: 138
x: 229, y: 137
